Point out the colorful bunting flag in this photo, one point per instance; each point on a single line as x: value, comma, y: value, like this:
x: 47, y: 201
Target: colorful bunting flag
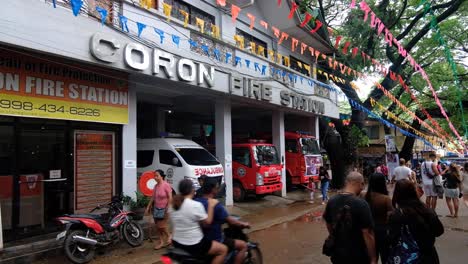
x: 294, y: 6
x: 200, y: 23
x: 234, y: 12
x: 186, y: 16
x: 123, y: 23
x: 167, y: 9
x: 103, y: 13
x: 264, y: 24
x: 76, y: 6
x: 252, y: 20
x: 140, y: 27
x: 239, y: 41
x: 160, y: 33
x: 176, y: 40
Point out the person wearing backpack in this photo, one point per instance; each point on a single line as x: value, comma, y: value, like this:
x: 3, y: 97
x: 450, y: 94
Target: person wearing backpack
x: 428, y: 172
x: 413, y: 228
x: 350, y: 225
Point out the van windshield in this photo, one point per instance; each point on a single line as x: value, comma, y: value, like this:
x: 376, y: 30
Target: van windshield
x: 310, y: 146
x: 266, y: 155
x: 197, y: 156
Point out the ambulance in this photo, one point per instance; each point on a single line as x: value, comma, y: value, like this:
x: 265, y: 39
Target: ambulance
x: 179, y: 159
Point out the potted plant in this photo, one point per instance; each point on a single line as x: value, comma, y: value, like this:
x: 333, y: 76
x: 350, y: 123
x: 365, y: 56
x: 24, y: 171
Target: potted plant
x: 139, y: 206
x: 128, y: 203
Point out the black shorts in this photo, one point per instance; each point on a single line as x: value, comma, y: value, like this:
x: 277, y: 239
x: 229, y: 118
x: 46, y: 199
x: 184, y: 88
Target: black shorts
x: 198, y: 250
x: 229, y: 243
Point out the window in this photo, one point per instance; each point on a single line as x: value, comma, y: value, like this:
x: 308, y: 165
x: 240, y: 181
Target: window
x: 299, y: 66
x: 266, y: 155
x: 167, y: 157
x: 242, y: 156
x: 291, y: 145
x: 372, y: 132
x: 249, y: 38
x: 145, y: 158
x: 193, y: 12
x: 310, y: 146
x: 197, y: 156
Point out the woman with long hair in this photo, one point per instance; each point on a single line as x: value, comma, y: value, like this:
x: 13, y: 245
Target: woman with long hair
x: 186, y: 217
x: 465, y: 184
x: 452, y: 189
x: 381, y: 207
x: 413, y: 217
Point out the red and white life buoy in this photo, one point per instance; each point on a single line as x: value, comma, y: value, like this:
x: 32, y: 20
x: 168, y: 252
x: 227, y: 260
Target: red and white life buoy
x: 147, y: 183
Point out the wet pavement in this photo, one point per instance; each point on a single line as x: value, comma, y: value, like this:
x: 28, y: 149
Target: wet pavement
x: 294, y: 233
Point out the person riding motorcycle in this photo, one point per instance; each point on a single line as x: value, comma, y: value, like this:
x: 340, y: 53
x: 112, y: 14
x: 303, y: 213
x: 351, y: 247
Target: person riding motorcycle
x: 214, y: 231
x: 186, y: 216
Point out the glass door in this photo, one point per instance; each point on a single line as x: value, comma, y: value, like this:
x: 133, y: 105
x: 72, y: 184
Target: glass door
x: 7, y: 159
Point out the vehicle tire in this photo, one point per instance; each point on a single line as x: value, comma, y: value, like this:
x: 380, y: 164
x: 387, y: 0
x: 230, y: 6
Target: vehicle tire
x: 77, y: 252
x: 132, y: 233
x: 255, y: 256
x: 260, y: 196
x: 238, y: 192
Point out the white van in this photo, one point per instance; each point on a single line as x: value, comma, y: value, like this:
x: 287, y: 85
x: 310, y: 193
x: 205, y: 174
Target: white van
x: 179, y: 159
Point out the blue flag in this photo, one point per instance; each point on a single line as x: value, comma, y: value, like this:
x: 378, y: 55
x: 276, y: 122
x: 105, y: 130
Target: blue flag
x: 238, y: 60
x: 76, y: 6
x: 206, y: 49
x: 193, y: 43
x: 176, y: 40
x: 217, y: 54
x: 228, y: 56
x: 264, y: 68
x: 160, y: 33
x: 103, y: 13
x: 123, y: 23
x: 140, y: 26
x: 256, y: 66
x: 247, y: 63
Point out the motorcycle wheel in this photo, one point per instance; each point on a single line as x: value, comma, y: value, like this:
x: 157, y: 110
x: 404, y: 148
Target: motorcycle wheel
x: 77, y: 252
x: 133, y: 233
x: 255, y: 256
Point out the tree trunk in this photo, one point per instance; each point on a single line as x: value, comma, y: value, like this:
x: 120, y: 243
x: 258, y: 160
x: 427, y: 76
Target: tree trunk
x: 333, y: 146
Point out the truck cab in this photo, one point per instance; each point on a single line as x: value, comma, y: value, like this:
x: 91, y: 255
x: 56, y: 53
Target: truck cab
x: 256, y: 169
x: 303, y: 158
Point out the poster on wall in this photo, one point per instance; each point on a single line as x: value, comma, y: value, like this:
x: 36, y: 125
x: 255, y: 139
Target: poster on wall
x: 390, y: 143
x: 94, y: 169
x: 392, y: 162
x: 34, y: 87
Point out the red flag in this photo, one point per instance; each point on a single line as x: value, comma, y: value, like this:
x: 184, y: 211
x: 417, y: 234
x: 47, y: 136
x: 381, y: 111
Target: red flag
x: 252, y: 20
x: 284, y: 36
x: 355, y: 50
x: 221, y: 2
x: 279, y: 2
x: 235, y: 12
x: 318, y: 25
x: 293, y: 9
x: 337, y: 41
x: 303, y: 47
x: 264, y: 24
x: 307, y: 18
x: 294, y: 43
x: 276, y: 32
x: 345, y: 48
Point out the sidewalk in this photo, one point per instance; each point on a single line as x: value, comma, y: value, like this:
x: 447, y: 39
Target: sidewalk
x: 262, y: 214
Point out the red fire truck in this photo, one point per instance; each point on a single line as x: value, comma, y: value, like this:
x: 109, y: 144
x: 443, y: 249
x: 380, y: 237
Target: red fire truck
x: 303, y: 158
x: 256, y: 169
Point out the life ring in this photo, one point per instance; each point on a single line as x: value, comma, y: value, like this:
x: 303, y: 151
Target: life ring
x: 147, y: 183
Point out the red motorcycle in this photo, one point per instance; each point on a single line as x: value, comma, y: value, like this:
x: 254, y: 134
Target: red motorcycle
x: 84, y: 232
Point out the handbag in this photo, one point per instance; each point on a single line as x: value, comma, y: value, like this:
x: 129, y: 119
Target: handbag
x: 406, y: 249
x: 159, y: 213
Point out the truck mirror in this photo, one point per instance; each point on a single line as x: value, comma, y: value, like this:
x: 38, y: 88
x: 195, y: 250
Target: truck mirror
x: 175, y: 161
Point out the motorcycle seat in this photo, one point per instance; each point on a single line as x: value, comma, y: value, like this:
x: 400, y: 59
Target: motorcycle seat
x: 179, y: 252
x: 89, y: 216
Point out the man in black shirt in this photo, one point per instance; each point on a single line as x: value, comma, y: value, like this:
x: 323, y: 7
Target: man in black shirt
x: 349, y: 220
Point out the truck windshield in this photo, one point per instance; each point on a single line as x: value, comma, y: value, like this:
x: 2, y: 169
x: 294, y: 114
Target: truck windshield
x: 310, y: 146
x: 266, y: 155
x: 197, y: 156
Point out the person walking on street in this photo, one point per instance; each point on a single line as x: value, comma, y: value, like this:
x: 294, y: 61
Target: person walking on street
x: 160, y: 200
x: 350, y: 225
x: 187, y: 216
x: 452, y: 189
x: 381, y: 207
x: 465, y: 183
x: 428, y: 172
x: 413, y: 228
x: 383, y: 169
x: 401, y: 172
x: 324, y: 183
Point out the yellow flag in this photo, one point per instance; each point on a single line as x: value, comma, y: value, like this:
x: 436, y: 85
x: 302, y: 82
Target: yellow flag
x: 280, y: 57
x: 307, y: 67
x: 239, y: 41
x: 253, y: 46
x: 299, y: 64
x: 167, y: 9
x: 287, y: 62
x: 146, y: 3
x: 215, y: 31
x: 271, y: 53
x: 261, y: 51
x: 186, y: 17
x: 201, y: 24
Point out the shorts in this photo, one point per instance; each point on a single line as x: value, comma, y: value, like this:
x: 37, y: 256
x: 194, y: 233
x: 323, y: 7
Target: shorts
x: 159, y: 214
x: 429, y: 190
x: 230, y: 243
x: 452, y: 193
x: 198, y: 250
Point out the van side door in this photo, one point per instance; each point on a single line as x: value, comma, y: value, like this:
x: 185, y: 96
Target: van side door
x: 174, y: 171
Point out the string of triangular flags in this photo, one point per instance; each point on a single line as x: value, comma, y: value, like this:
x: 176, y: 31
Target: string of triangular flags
x: 376, y: 22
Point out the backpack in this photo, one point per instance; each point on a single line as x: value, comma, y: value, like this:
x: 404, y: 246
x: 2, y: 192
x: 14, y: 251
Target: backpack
x: 335, y: 244
x: 405, y: 250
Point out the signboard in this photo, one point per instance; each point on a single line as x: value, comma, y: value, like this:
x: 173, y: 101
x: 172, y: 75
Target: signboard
x: 34, y: 87
x: 392, y: 162
x: 390, y: 143
x: 94, y: 169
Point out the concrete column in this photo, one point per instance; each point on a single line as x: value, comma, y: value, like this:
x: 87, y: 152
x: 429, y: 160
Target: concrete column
x: 224, y: 143
x: 161, y: 120
x: 317, y: 129
x: 279, y: 142
x: 129, y: 147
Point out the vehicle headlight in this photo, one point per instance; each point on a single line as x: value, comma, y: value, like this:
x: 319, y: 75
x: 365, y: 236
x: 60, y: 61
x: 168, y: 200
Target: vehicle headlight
x: 259, y: 179
x: 196, y: 184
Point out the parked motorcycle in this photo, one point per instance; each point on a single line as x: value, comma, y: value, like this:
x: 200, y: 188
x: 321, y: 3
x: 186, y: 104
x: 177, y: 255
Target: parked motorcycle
x: 84, y: 232
x: 253, y: 255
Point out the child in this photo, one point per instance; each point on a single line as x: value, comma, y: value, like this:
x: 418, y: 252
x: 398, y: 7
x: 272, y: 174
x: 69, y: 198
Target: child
x: 311, y: 188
